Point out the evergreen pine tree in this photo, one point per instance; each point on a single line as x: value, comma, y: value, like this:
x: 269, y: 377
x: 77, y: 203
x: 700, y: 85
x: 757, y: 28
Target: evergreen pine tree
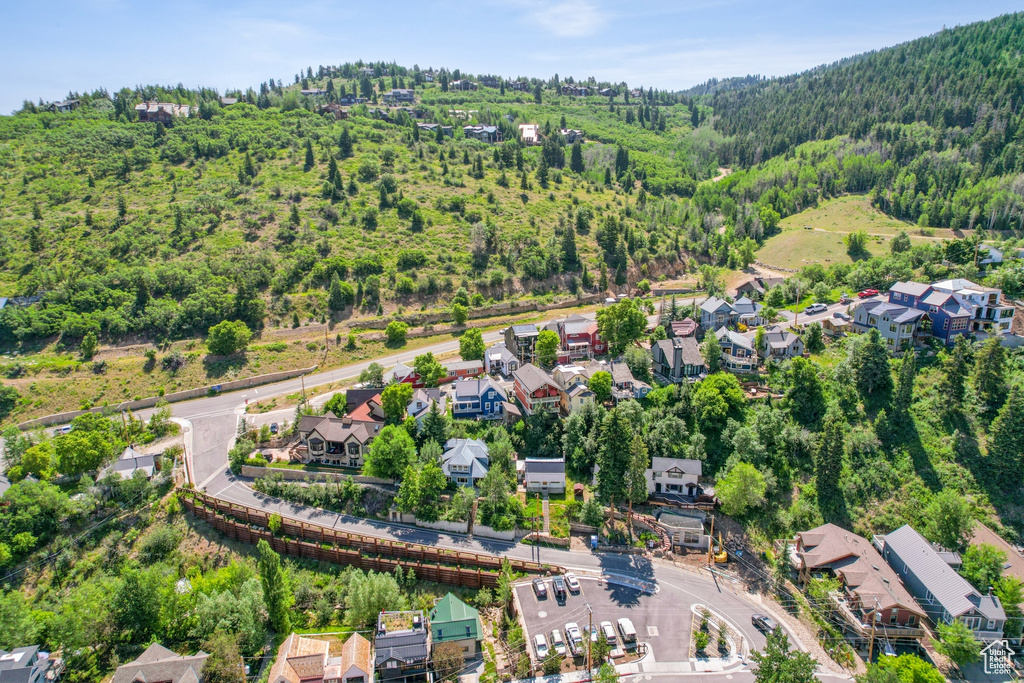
x: 828, y: 467
x: 345, y: 143
x: 576, y: 158
x: 1006, y: 437
x: 989, y: 378
x: 336, y: 298
x: 955, y: 370
x: 903, y: 396
x: 310, y: 162
x: 569, y: 255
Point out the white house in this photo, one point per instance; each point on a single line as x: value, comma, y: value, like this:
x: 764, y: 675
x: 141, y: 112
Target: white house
x: 500, y: 359
x: 544, y: 475
x: 673, y: 475
x: 465, y: 461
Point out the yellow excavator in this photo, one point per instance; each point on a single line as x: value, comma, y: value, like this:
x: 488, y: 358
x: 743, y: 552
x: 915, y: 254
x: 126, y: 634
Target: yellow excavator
x: 721, y: 556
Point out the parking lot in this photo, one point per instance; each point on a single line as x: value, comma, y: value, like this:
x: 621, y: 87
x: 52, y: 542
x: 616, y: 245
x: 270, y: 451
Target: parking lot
x: 659, y: 623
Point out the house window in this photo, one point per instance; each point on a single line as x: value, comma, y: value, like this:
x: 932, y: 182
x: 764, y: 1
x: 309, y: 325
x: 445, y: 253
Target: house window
x: 353, y: 449
x: 873, y: 321
x: 929, y: 597
x: 392, y: 664
x: 894, y: 617
x: 991, y: 624
x: 892, y: 328
x: 911, y: 620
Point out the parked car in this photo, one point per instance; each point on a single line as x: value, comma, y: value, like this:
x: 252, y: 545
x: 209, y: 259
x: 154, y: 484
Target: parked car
x: 66, y: 429
x: 572, y: 582
x: 841, y: 315
x: 541, y: 643
x: 558, y: 642
x: 593, y: 633
x: 816, y: 308
x: 626, y: 630
x: 575, y: 638
x: 274, y: 429
x: 558, y: 586
x: 844, y: 298
x: 867, y: 292
x: 540, y: 588
x: 763, y: 623
x: 609, y: 632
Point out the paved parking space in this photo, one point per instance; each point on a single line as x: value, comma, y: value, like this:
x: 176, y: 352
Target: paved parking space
x: 659, y: 621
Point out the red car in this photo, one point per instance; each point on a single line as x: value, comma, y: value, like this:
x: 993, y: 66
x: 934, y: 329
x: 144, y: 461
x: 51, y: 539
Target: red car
x: 867, y: 292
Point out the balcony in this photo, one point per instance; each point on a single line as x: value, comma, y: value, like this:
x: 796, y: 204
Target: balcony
x: 853, y: 618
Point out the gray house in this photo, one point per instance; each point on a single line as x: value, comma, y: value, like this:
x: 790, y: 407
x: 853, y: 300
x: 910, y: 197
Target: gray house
x: 945, y: 595
x: 897, y: 324
x: 678, y: 359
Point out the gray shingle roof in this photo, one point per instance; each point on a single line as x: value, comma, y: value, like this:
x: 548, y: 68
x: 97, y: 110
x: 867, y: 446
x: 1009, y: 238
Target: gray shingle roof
x: 404, y: 647
x: 158, y: 663
x: 545, y: 466
x: 532, y: 377
x: 911, y: 288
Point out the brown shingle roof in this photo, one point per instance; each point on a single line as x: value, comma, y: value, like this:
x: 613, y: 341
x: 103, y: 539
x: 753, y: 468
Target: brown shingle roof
x: 299, y: 659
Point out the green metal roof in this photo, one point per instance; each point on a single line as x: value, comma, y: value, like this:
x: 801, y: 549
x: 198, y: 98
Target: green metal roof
x: 452, y: 619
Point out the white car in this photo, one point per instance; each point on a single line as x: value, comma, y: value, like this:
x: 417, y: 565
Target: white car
x: 574, y: 636
x: 816, y: 308
x: 572, y: 582
x: 541, y: 643
x: 609, y: 632
x: 558, y: 642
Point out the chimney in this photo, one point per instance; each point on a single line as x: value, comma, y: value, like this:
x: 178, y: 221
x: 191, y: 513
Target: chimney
x: 677, y: 356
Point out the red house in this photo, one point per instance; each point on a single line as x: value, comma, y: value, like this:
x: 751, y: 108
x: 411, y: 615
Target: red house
x: 403, y: 374
x: 462, y: 369
x: 536, y: 390
x: 579, y: 338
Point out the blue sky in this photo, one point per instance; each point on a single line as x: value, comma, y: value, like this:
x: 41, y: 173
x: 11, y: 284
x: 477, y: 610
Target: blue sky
x: 53, y: 47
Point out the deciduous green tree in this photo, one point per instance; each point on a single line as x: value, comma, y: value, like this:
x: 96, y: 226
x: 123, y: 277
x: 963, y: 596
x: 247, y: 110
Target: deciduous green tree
x: 471, y: 345
x: 601, y: 384
x: 957, y: 642
x: 778, y: 664
x: 949, y: 520
x: 395, y: 400
x: 226, y: 337
x: 276, y: 593
x: 390, y: 453
x: 742, y: 488
x: 621, y: 324
x: 547, y: 347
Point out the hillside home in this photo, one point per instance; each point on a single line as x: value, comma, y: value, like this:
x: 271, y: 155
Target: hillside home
x: 578, y: 337
x: 575, y: 90
x: 130, y: 462
x: 403, y: 374
x: 678, y: 359
x: 489, y: 134
x: 942, y: 592
x: 871, y: 590
x: 950, y: 315
x: 572, y: 387
x: 453, y: 621
x: 313, y: 92
x: 571, y: 135
x: 335, y: 110
x: 529, y: 134
x: 990, y: 314
x: 738, y: 353
x: 1014, y: 565
x: 781, y: 344
x: 535, y: 390
x: 542, y: 475
x: 64, y: 107
x: 465, y: 461
x: 747, y: 312
x: 686, y: 327
x: 897, y: 324
x: 989, y: 256
x: 837, y: 325
x: 332, y: 440
x: 499, y: 359
x: 624, y: 385
x: 521, y: 340
x: 421, y: 402
x: 462, y: 84
x: 158, y: 663
x: 351, y: 99
x: 401, y: 652
x: 759, y: 285
x: 477, y: 398
x: 308, y: 660
x: 715, y: 313
x: 490, y: 82
x: 400, y: 96
x: 674, y: 475
x: 462, y: 369
x: 518, y: 86
x: 431, y: 128
x: 161, y: 112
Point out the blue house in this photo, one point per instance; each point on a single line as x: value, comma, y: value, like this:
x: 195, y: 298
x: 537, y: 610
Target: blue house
x: 949, y: 313
x: 480, y: 397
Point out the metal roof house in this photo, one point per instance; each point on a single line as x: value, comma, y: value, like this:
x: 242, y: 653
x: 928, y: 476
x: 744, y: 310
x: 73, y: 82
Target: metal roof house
x: 453, y: 621
x: 465, y: 461
x: 543, y: 474
x: 401, y: 646
x: 941, y: 592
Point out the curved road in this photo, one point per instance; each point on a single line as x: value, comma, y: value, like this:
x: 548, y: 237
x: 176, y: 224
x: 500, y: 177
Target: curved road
x: 211, y: 424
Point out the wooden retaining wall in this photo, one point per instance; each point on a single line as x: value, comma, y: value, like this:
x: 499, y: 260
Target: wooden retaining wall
x: 312, y: 541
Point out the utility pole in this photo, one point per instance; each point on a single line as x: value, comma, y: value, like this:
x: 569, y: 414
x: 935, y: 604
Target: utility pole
x: 590, y: 641
x: 874, y: 620
x: 711, y: 543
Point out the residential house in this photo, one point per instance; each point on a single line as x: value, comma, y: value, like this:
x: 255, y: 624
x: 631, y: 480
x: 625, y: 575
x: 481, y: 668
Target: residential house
x: 759, y: 285
x: 382, y: 115
x: 738, y: 353
x: 228, y: 101
x: 29, y: 665
x: 678, y: 359
x: 332, y: 440
x: 356, y: 397
x: 130, y: 462
x: 308, y: 660
x: 715, y: 313
x: 313, y: 92
x: 370, y: 410
x: 674, y: 475
x: 500, y: 359
x: 781, y: 343
x: 575, y: 90
x: 871, y: 590
x: 897, y: 324
x: 573, y: 392
x: 355, y: 665
x: 837, y: 325
x: 535, y: 390
x: 490, y: 82
x: 579, y: 338
x: 160, y: 665
x: 990, y: 313
x: 477, y: 398
x: 400, y: 96
x: 350, y: 99
x: 989, y: 255
x: 1014, y: 565
x: 949, y: 314
x: 571, y: 135
x: 543, y: 475
x: 465, y: 461
x: 684, y: 530
x: 529, y: 134
x: 624, y: 385
x: 488, y: 134
x: 747, y: 312
x: 421, y: 402
x: 161, y: 112
x: 453, y: 621
x: 64, y: 107
x: 521, y: 340
x: 335, y: 110
x: 402, y: 374
x: 401, y: 650
x: 518, y: 86
x: 942, y: 592
x: 607, y: 92
x: 462, y: 84
x: 431, y: 128
x: 461, y: 369
x: 366, y: 71
x: 687, y: 327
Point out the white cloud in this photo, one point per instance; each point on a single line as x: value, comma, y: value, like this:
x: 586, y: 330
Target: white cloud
x: 567, y: 19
